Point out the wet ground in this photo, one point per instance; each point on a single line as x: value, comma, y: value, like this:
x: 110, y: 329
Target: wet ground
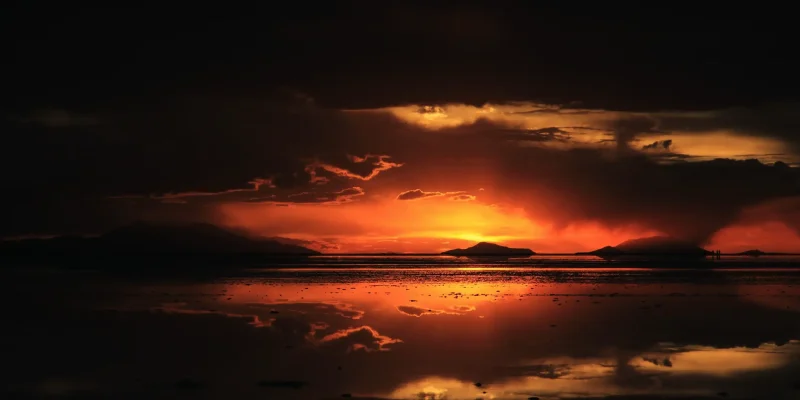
x: 405, y: 333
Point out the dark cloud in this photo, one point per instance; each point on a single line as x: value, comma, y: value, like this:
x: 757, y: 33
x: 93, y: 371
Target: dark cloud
x: 341, y: 196
x: 626, y: 129
x: 430, y: 109
x: 316, y: 195
x: 417, y: 54
x: 185, y: 115
x: 57, y: 118
x: 417, y: 194
x: 659, y: 362
x: 784, y: 210
x: 539, y: 135
x: 546, y: 371
x: 195, y: 153
x: 658, y: 145
x: 673, y: 157
x: 178, y: 198
x: 690, y: 199
x: 773, y: 120
x: 463, y: 197
x: 325, y: 244
x: 357, y: 167
x: 662, y: 151
x: 565, y: 109
x: 177, y: 151
x: 687, y: 199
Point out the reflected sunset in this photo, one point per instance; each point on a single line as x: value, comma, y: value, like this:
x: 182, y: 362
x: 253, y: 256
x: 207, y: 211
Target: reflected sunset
x: 400, y: 201
x: 421, y: 226
x: 498, y: 334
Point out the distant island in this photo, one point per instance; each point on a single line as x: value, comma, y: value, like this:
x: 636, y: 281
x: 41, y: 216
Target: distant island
x: 751, y: 253
x: 604, y: 251
x: 654, y: 247
x: 197, y: 241
x: 489, y: 249
x: 757, y: 253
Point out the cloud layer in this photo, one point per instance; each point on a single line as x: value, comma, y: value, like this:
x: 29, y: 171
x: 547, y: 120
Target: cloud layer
x: 563, y: 166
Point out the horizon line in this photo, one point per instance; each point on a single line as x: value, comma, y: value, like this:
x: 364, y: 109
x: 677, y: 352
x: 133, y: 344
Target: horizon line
x: 579, y: 253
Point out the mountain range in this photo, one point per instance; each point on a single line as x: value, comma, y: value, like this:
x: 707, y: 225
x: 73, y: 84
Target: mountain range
x: 207, y: 240
x: 654, y: 246
x: 489, y: 249
x: 151, y: 240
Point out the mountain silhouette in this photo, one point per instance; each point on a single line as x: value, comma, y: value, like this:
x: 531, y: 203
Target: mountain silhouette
x: 607, y: 250
x: 154, y: 239
x: 489, y: 249
x: 752, y: 253
x: 660, y: 245
x: 654, y: 247
x: 758, y: 253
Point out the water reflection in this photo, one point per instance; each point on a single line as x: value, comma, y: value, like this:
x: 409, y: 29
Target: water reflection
x: 463, y: 336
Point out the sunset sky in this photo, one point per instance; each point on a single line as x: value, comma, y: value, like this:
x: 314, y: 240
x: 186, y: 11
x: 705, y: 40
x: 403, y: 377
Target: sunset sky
x: 373, y: 128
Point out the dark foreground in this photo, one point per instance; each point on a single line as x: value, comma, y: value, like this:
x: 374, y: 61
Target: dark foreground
x: 189, y: 264
x: 404, y: 333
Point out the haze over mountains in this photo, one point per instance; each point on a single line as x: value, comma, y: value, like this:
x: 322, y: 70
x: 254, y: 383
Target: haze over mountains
x: 489, y: 249
x: 655, y: 246
x: 651, y: 246
x: 154, y: 239
x: 199, y: 239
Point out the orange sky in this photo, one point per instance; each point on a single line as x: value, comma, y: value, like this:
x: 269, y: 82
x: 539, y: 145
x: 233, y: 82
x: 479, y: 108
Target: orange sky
x: 465, y: 197
x: 424, y: 179
x: 436, y: 225
x: 425, y: 225
x: 439, y: 128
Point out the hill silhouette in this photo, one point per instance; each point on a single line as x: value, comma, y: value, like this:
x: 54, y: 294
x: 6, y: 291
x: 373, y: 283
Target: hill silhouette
x: 151, y: 240
x: 758, y: 253
x: 489, y: 249
x: 607, y: 250
x: 190, y: 238
x: 752, y: 253
x: 661, y: 245
x: 653, y: 247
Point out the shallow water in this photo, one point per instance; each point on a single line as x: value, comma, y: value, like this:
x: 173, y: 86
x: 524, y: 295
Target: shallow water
x: 406, y: 333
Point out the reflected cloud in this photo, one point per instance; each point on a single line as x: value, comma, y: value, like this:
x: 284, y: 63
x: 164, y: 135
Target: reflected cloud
x: 343, y: 310
x: 518, y: 333
x: 514, y: 388
x: 297, y: 332
x: 679, y: 372
x: 359, y: 338
x: 414, y: 311
x: 721, y: 362
x: 340, y: 309
x: 177, y: 308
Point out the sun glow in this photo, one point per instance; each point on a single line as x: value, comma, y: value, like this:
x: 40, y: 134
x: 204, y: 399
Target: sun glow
x: 589, y: 128
x: 412, y: 226
x: 429, y: 225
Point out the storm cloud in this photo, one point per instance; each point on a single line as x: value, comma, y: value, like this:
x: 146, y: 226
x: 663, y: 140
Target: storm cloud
x: 197, y: 153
